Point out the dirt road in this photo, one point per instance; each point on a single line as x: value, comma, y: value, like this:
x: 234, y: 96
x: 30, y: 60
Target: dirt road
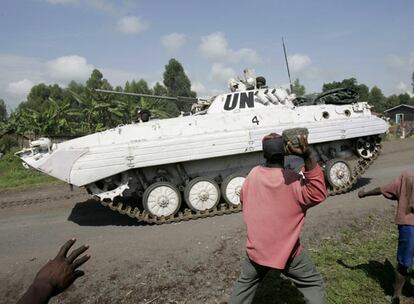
x: 189, y: 262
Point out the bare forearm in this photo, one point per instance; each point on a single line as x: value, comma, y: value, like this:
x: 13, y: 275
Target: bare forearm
x: 373, y: 192
x: 310, y: 162
x: 38, y: 293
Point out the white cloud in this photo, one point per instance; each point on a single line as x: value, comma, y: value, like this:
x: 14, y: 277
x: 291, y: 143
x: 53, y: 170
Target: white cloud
x: 400, y: 64
x: 20, y: 88
x: 19, y: 74
x: 301, y: 66
x: 117, y: 9
x: 220, y: 73
x: 299, y: 62
x: 247, y: 55
x: 199, y: 88
x: 173, y: 42
x: 215, y: 46
x: 131, y: 25
x: 402, y: 86
x: 394, y: 62
x: 69, y: 68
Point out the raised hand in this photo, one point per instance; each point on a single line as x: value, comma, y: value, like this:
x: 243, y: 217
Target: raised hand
x: 302, y: 149
x: 57, y: 275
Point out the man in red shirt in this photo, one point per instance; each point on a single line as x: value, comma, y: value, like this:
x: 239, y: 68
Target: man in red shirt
x: 402, y: 190
x: 274, y: 202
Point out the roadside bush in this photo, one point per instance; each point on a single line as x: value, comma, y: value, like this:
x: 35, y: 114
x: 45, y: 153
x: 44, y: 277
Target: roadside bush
x: 7, y: 142
x: 13, y: 174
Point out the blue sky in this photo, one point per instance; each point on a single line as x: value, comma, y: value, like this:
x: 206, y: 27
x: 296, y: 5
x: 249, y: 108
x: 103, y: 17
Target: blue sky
x: 55, y: 41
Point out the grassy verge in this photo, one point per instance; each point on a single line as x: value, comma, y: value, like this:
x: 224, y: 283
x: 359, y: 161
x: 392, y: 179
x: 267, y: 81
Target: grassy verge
x: 13, y: 175
x: 357, y: 266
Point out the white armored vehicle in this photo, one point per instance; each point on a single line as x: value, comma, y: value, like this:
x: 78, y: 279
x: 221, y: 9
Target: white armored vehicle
x: 179, y: 168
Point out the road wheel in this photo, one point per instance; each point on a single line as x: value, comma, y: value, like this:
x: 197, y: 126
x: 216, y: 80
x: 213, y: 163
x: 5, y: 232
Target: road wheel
x: 202, y: 194
x: 366, y: 147
x: 231, y: 188
x: 338, y: 173
x: 162, y: 199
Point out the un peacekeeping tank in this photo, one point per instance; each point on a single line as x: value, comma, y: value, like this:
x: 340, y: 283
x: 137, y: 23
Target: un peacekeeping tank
x: 194, y: 165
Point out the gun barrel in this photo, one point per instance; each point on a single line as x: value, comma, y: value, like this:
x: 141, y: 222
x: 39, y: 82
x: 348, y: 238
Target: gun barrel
x: 136, y: 94
x: 179, y: 98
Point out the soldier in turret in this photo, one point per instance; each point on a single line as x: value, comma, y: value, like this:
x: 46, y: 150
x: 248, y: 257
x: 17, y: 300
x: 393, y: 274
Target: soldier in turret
x: 261, y: 82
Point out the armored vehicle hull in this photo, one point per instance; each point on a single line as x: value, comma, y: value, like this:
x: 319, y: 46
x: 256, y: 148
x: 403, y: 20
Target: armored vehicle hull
x: 180, y: 168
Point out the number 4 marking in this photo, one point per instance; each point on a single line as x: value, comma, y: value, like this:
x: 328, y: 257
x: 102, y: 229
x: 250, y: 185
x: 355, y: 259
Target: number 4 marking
x: 255, y: 120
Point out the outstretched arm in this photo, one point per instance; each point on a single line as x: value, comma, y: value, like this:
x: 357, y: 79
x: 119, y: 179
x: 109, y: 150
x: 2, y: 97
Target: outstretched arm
x: 373, y: 192
x: 57, y: 275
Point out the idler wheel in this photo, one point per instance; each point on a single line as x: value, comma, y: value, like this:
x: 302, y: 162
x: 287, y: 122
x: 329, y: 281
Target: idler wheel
x: 108, y: 188
x: 338, y: 173
x: 231, y: 188
x: 202, y: 194
x: 162, y: 199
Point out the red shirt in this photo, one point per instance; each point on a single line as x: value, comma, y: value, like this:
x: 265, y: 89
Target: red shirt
x: 402, y: 189
x: 274, y: 202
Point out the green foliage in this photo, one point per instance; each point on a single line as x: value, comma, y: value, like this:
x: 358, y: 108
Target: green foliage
x: 3, y: 111
x: 412, y: 82
x: 160, y: 90
x: 14, y: 175
x: 78, y: 109
x: 140, y: 86
x: 163, y: 105
x: 177, y: 82
x: 404, y: 98
x: 298, y: 88
x: 158, y: 107
x: 351, y: 83
x: 7, y: 142
x: 377, y: 99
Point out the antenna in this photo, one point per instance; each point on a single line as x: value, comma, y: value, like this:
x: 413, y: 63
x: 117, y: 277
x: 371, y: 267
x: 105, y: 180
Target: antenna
x: 287, y: 66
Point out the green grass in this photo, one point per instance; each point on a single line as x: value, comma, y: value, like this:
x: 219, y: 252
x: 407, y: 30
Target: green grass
x: 357, y: 266
x: 13, y: 175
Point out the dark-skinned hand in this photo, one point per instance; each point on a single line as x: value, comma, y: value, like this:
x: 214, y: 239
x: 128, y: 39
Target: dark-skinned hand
x: 302, y: 149
x: 59, y: 273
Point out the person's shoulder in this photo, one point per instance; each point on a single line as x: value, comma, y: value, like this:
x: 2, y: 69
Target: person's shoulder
x: 256, y: 169
x: 291, y: 176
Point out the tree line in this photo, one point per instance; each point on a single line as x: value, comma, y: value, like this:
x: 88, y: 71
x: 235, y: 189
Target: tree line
x: 78, y: 109
x: 373, y: 96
